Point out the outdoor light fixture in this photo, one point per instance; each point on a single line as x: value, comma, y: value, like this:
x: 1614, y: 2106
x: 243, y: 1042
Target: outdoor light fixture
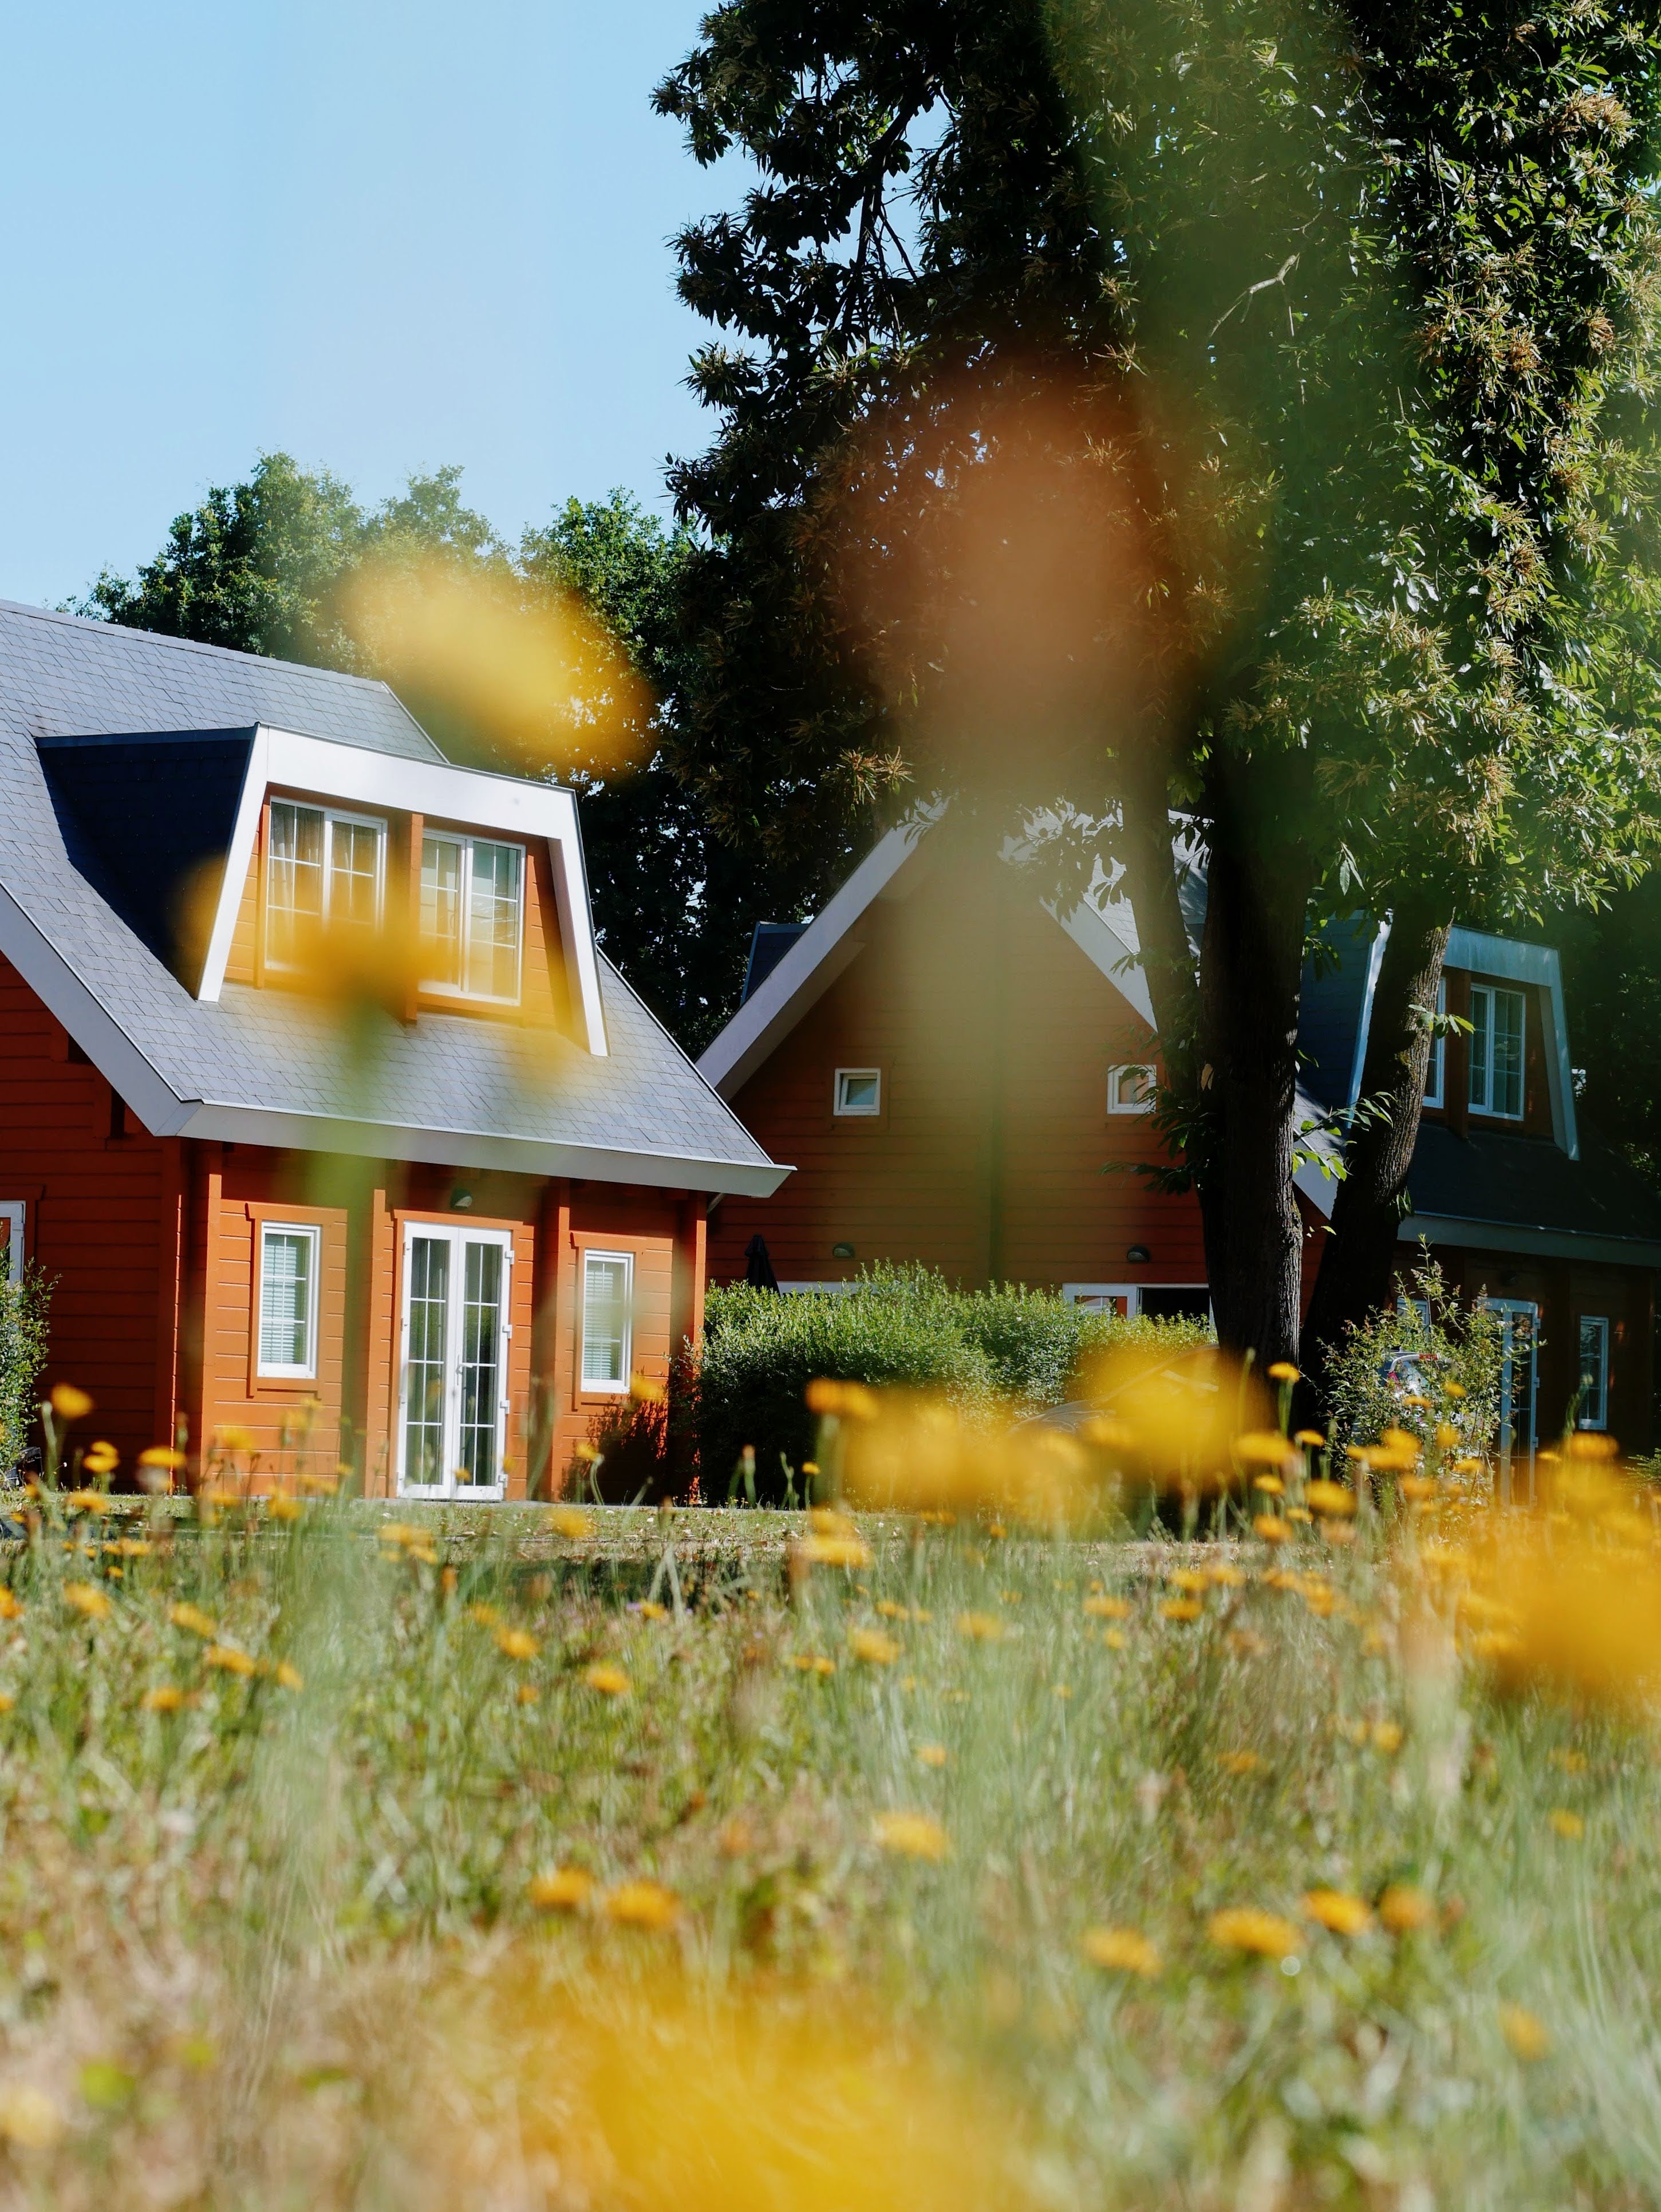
x: 461, y: 1201
x: 841, y: 1251
x: 1139, y: 1255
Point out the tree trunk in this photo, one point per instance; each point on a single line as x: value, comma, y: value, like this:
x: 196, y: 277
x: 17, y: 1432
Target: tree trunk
x: 1251, y: 979
x: 1358, y: 1262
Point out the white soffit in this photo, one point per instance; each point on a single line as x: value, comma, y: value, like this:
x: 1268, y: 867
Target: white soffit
x: 355, y: 775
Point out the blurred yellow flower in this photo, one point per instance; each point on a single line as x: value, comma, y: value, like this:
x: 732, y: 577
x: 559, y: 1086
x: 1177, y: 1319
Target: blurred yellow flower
x: 931, y: 1754
x: 1528, y: 2036
x: 1566, y: 1824
x: 1243, y: 1927
x: 563, y: 1891
x: 566, y: 1520
x: 651, y: 1610
x: 1453, y: 1389
x: 166, y: 1698
x: 1270, y: 1485
x: 834, y: 1552
x: 1226, y: 1577
x: 87, y: 1501
x: 87, y: 1598
x: 610, y: 1682
x: 231, y: 1436
x: 1180, y: 1608
x: 10, y: 1606
x: 1238, y: 1762
x: 1264, y: 1448
x: 163, y: 1456
x: 1335, y: 1498
x: 1404, y: 1910
x: 28, y: 2117
x: 981, y: 1627
x: 852, y: 1401
x: 228, y: 1660
x: 484, y: 1616
x: 910, y: 1835
x: 1107, y: 1609
x: 282, y: 1505
x: 1113, y: 1638
x: 192, y: 1617
x: 68, y: 1403
x: 1271, y: 1528
x: 1282, y: 1371
x: 288, y: 1677
x: 643, y: 1904
x: 516, y: 1644
x: 1387, y: 1736
x: 872, y: 1647
x: 1122, y: 1951
x: 1189, y: 1580
x: 809, y: 1662
x: 1335, y: 1910
x: 1310, y: 1439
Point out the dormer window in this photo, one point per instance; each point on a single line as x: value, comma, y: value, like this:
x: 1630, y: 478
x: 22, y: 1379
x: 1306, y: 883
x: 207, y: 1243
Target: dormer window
x: 472, y: 915
x: 324, y: 870
x: 1497, y: 1020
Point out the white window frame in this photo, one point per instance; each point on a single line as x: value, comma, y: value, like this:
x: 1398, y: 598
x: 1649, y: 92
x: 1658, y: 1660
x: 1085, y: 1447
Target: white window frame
x: 457, y: 1235
x: 839, y: 1105
x: 1115, y: 1104
x: 606, y: 1388
x: 467, y: 840
x: 1481, y: 1025
x: 331, y: 815
x: 13, y: 1210
x: 1436, y: 1067
x: 281, y: 1371
x: 1095, y: 1295
x: 1595, y: 1415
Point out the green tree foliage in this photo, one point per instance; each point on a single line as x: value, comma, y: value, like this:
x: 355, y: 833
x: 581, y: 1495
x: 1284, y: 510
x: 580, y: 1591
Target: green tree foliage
x: 263, y: 566
x: 1225, y: 409
x: 25, y: 1306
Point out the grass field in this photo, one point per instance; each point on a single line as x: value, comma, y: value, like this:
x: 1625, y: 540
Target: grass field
x: 523, y: 1860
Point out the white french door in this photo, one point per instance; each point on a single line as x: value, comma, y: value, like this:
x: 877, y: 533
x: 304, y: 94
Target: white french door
x: 1519, y: 1336
x: 452, y: 1399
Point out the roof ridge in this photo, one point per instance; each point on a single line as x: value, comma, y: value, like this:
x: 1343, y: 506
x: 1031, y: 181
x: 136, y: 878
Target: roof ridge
x: 200, y: 645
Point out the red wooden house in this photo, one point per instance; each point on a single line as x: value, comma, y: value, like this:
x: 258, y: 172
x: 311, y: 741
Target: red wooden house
x: 449, y: 1208
x: 961, y: 1079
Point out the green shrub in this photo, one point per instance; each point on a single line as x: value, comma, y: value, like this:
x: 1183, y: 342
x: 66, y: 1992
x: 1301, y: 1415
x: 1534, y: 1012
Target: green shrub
x: 24, y: 1300
x: 1447, y: 1340
x: 983, y: 1349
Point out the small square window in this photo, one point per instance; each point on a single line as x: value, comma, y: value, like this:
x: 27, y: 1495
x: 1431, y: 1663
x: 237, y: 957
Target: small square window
x: 1131, y: 1089
x: 858, y: 1090
x: 289, y: 1300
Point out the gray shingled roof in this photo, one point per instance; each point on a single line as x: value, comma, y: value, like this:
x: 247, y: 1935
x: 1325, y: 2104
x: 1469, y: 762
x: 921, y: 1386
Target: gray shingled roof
x: 276, y: 1052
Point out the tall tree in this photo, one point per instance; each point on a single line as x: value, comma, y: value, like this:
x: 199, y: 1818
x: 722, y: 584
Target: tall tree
x: 1121, y: 356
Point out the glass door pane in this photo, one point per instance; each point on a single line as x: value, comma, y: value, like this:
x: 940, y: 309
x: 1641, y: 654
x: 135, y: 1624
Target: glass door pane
x: 480, y: 1364
x: 427, y: 1293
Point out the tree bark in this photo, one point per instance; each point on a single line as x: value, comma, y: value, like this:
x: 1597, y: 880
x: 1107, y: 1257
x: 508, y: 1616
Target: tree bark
x: 1250, y: 982
x: 1358, y: 1262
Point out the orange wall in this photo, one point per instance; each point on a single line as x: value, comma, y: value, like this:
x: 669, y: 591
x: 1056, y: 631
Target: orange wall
x: 994, y: 1034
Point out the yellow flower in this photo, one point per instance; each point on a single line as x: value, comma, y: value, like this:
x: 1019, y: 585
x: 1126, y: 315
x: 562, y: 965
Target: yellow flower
x: 1335, y: 1498
x: 1113, y: 1638
x: 1238, y: 1762
x: 834, y: 1552
x: 1270, y: 1485
x: 643, y: 1904
x: 166, y: 1698
x: 563, y: 1891
x: 1567, y: 1824
x: 289, y: 1677
x: 1264, y: 1448
x: 851, y: 1399
x: 809, y: 1662
x: 912, y: 1835
x: 1186, y: 1579
x: 87, y: 1598
x: 981, y: 1627
x: 1528, y: 2036
x: 651, y: 1610
x: 931, y: 1754
x: 1122, y: 1951
x: 162, y: 1455
x: 1299, y: 1513
x: 283, y: 1507
x: 228, y: 1660
x: 102, y: 1459
x: 872, y: 1646
x: 10, y: 1605
x: 1403, y: 1909
x: 1310, y: 1439
x: 68, y: 1403
x: 1387, y: 1736
x: 610, y: 1682
x: 1180, y: 1608
x: 1107, y: 1609
x: 1243, y: 1927
x: 28, y: 2117
x: 566, y: 1520
x: 1416, y: 1488
x: 1226, y: 1577
x: 1342, y: 1914
x: 1271, y: 1528
x: 527, y: 1694
x: 1282, y: 1371
x: 516, y: 1644
x: 231, y: 1436
x: 193, y: 1618
x: 1453, y: 1389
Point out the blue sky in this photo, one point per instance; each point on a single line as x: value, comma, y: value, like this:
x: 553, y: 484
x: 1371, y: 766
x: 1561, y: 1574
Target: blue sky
x: 383, y: 236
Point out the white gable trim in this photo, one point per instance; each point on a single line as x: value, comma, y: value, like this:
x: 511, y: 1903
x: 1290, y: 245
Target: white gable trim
x: 466, y: 797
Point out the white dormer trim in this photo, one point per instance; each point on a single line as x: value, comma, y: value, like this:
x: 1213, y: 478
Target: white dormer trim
x: 1538, y: 964
x: 469, y: 798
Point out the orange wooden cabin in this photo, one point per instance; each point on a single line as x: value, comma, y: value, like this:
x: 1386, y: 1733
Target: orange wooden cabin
x: 318, y: 1104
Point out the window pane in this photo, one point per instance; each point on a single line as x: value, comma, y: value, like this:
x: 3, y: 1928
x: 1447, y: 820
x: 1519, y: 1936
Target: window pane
x: 1507, y: 1052
x: 429, y: 1302
x: 293, y: 878
x: 285, y: 1298
x: 860, y: 1094
x: 605, y: 1322
x: 354, y: 874
x: 493, y: 933
x: 480, y: 1372
x: 1594, y: 1371
x: 440, y: 909
x: 1481, y: 1043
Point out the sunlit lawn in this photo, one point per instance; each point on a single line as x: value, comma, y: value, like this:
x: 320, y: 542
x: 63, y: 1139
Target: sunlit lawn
x: 516, y: 1863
